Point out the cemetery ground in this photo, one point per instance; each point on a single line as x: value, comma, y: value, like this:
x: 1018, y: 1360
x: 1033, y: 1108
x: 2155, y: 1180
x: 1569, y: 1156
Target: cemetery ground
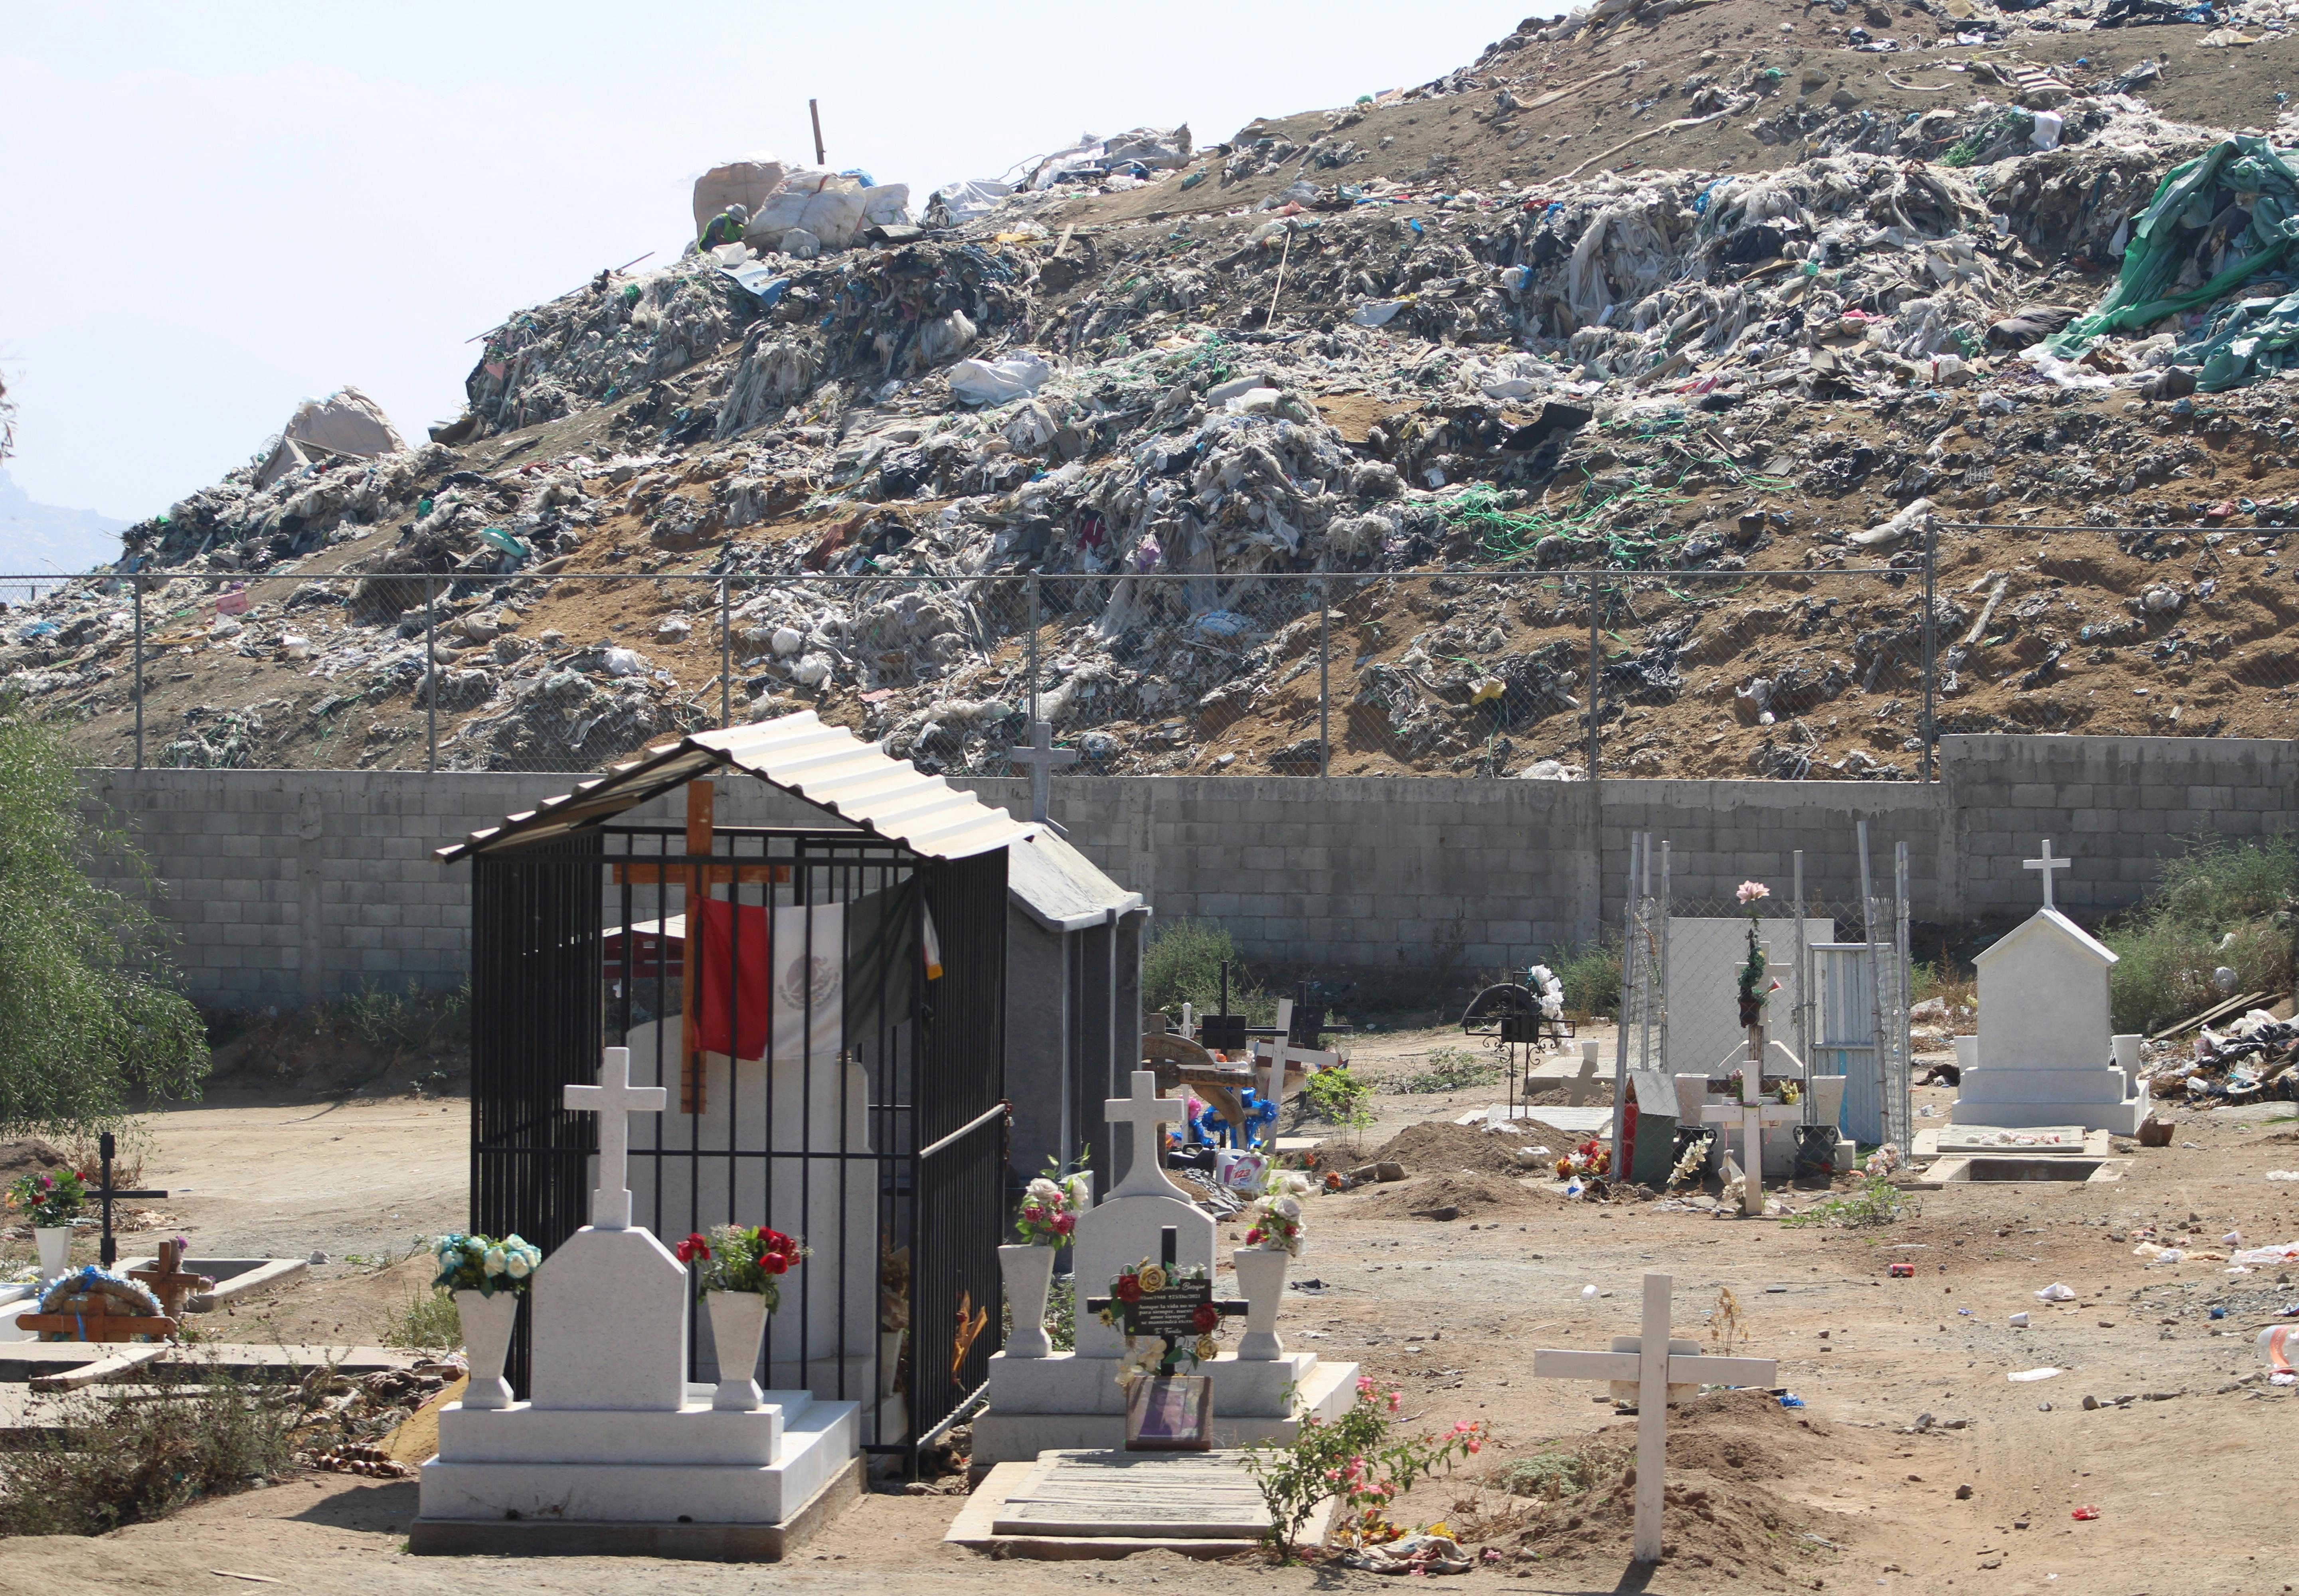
x: 1915, y: 1463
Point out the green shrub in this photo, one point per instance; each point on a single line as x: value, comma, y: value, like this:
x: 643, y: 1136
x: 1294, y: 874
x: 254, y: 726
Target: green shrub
x: 1452, y: 1069
x: 1591, y: 976
x: 429, y: 1319
x: 1182, y: 963
x: 2168, y: 946
x: 1875, y: 1201
x: 108, y: 1461
x: 403, y: 1022
x: 1338, y: 1096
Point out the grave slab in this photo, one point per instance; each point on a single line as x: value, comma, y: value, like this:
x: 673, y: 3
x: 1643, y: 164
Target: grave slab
x: 1088, y: 1503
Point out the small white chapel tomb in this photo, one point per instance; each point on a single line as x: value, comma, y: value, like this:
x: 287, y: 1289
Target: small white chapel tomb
x: 2045, y: 1054
x: 615, y: 1450
x: 1070, y: 1400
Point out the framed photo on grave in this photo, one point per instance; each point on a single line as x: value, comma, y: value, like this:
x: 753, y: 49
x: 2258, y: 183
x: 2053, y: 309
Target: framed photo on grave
x: 1169, y: 1413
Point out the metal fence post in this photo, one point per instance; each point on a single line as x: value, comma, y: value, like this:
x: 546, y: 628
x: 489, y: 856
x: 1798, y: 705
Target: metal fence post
x: 1031, y: 651
x: 1931, y: 567
x: 137, y: 588
x: 726, y: 644
x: 431, y: 673
x: 1595, y: 665
x: 1324, y: 685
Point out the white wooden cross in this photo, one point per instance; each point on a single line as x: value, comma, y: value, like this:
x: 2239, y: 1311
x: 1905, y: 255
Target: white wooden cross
x: 2047, y: 865
x: 1042, y: 756
x: 1279, y: 1055
x: 615, y: 1100
x: 1146, y: 1113
x: 1751, y: 1114
x: 1655, y: 1363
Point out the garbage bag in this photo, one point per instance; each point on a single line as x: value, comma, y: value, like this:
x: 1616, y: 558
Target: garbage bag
x: 995, y: 382
x: 746, y: 181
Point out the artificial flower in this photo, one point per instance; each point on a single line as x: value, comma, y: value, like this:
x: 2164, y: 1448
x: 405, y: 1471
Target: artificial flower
x: 694, y: 1247
x: 1205, y: 1316
x: 1153, y: 1278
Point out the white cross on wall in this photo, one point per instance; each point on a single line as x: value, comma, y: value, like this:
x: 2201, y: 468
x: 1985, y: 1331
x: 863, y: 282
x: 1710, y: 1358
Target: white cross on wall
x: 615, y: 1100
x: 1145, y: 1113
x: 2047, y: 865
x: 1042, y: 756
x: 1655, y: 1364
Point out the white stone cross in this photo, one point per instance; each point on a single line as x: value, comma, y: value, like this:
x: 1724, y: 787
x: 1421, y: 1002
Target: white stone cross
x: 1042, y: 756
x: 615, y: 1100
x: 1751, y: 1114
x: 1579, y: 1088
x: 1279, y: 1055
x: 1146, y: 1112
x: 2047, y: 865
x: 1655, y: 1363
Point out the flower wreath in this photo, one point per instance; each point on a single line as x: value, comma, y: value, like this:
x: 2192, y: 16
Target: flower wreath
x: 1152, y: 1354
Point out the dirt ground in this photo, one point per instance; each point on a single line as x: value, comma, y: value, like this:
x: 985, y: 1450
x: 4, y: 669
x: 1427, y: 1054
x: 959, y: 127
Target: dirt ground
x: 1857, y: 1488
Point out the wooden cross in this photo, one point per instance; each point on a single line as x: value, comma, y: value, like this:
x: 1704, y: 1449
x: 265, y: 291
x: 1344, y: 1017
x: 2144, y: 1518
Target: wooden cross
x: 1144, y: 1114
x: 1042, y: 756
x: 696, y: 880
x: 1752, y: 1113
x: 2047, y: 865
x: 1655, y: 1363
x: 170, y: 1281
x: 614, y: 1100
x: 109, y: 1252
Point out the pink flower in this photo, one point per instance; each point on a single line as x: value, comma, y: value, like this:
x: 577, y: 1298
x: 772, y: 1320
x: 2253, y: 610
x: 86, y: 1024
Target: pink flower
x: 1034, y: 1213
x: 1364, y: 1385
x: 1750, y: 891
x: 1065, y: 1223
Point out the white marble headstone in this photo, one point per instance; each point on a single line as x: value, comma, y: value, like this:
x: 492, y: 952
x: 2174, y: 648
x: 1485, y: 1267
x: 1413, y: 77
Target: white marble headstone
x: 609, y: 1310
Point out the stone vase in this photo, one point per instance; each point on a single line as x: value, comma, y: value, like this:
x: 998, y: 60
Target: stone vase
x: 1261, y: 1276
x: 487, y: 1322
x: 1752, y: 1013
x: 738, y: 1324
x: 1028, y: 1271
x: 55, y: 1244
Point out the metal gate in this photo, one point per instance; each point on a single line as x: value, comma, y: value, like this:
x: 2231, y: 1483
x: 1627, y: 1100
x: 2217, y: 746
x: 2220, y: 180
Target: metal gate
x: 887, y: 1154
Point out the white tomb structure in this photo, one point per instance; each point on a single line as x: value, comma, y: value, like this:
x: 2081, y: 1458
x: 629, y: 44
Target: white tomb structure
x: 614, y: 1449
x: 2045, y: 1054
x: 1072, y: 1400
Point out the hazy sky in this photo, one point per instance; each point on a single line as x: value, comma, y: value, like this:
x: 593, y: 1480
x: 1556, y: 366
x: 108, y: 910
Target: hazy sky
x: 214, y: 208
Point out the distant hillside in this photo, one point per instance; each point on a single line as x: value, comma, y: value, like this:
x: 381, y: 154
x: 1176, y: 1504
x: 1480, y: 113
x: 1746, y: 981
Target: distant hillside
x: 47, y: 537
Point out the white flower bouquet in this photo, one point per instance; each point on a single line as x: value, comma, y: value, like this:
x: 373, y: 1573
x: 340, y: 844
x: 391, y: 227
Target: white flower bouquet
x: 480, y: 1263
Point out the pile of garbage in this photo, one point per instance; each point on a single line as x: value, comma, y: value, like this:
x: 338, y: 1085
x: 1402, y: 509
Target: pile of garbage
x: 2248, y: 1060
x: 1668, y: 372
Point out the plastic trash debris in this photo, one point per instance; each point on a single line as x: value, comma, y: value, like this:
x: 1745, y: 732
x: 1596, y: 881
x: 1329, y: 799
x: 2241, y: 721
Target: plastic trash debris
x: 996, y: 382
x: 2056, y: 1293
x: 2029, y: 1376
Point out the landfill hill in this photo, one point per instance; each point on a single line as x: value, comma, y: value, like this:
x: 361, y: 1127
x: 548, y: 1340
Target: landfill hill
x: 1692, y: 292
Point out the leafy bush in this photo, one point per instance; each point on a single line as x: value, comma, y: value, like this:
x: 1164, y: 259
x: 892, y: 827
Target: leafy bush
x: 1591, y: 976
x: 429, y: 1319
x: 1338, y: 1096
x: 404, y: 1022
x: 1452, y: 1069
x: 87, y: 1002
x: 1356, y: 1458
x: 1182, y: 963
x: 2167, y: 948
x: 108, y: 1461
x: 1875, y: 1201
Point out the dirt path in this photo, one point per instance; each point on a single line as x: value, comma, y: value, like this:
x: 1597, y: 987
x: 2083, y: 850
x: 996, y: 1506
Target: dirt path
x: 1451, y: 1312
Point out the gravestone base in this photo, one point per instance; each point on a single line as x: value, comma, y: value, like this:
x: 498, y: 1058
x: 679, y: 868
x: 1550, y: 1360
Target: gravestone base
x: 594, y: 1537
x: 1080, y: 1503
x: 1072, y: 1402
x: 2011, y: 1097
x: 689, y: 1466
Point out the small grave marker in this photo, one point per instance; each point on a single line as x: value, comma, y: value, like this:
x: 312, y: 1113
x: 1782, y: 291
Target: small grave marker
x: 106, y: 1193
x: 1752, y: 1114
x: 169, y: 1280
x: 1655, y: 1365
x: 1042, y: 759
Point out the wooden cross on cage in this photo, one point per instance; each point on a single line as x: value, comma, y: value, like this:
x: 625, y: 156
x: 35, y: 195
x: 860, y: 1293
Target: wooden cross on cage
x: 696, y: 880
x: 170, y: 1281
x: 108, y: 1251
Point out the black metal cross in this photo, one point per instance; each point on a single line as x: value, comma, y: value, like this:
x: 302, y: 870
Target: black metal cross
x: 109, y: 1252
x: 1168, y: 1250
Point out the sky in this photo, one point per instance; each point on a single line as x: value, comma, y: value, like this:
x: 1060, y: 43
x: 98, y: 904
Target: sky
x: 214, y: 209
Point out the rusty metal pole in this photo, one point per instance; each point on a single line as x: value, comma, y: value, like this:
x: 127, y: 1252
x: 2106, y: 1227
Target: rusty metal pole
x: 815, y: 110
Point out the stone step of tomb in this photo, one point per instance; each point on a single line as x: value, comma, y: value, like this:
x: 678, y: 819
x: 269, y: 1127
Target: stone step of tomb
x: 1084, y: 1503
x: 695, y: 1434
x: 1995, y: 1083
x: 816, y: 1444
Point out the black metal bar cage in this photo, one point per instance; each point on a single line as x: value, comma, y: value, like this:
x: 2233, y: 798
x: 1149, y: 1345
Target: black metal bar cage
x: 873, y: 1127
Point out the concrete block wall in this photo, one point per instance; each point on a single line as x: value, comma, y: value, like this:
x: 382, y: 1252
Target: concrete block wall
x: 289, y: 886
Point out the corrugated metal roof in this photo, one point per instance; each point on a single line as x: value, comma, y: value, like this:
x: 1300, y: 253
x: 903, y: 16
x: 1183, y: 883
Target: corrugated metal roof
x: 1061, y: 888
x: 826, y: 765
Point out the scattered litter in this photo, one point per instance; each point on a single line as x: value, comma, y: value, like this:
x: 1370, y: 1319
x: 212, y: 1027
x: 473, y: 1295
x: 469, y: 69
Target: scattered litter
x: 2026, y: 1376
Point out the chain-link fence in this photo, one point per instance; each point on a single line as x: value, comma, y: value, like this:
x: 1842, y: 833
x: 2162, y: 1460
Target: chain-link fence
x: 1830, y: 673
